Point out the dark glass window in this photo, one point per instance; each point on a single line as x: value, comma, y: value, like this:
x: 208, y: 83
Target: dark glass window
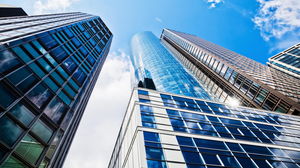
x: 154, y: 153
x: 59, y: 54
x: 6, y: 97
x: 9, y: 131
x: 229, y: 161
x: 210, y: 159
x: 22, y: 113
x: 54, y: 144
x: 42, y: 130
x: 8, y: 61
x: 67, y: 120
x: 151, y: 136
x: 48, y: 42
x: 156, y: 164
x: 70, y: 65
x: 246, y: 162
x: 79, y: 75
x: 192, y: 157
x: 187, y: 141
x: 210, y: 144
x: 29, y: 82
x: 40, y: 95
x: 12, y: 162
x: 56, y: 110
x: 30, y: 149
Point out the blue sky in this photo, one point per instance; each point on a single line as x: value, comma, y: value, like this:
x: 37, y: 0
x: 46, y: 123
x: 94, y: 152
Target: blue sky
x: 255, y: 28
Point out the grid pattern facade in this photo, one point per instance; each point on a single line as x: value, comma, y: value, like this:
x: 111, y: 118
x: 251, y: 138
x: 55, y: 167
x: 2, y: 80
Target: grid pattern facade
x: 287, y: 61
x: 167, y: 73
x: 231, y: 74
x: 48, y: 67
x: 165, y: 130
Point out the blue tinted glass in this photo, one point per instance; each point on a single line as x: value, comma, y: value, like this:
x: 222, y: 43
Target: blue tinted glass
x: 192, y: 157
x: 22, y: 113
x: 56, y: 110
x: 8, y: 60
x: 229, y: 161
x: 6, y: 97
x: 151, y: 136
x: 246, y: 163
x: 9, y: 130
x: 210, y: 159
x: 40, y: 95
x: 187, y: 141
x: 156, y: 164
x: 210, y: 144
x: 154, y: 153
x: 143, y: 92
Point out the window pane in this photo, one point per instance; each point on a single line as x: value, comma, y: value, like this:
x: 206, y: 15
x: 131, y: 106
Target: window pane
x: 27, y: 83
x: 56, y: 110
x: 12, y: 162
x: 40, y: 95
x: 9, y: 131
x: 43, y: 131
x: 6, y: 97
x: 30, y: 149
x: 8, y: 60
x: 19, y: 75
x: 22, y: 114
x: 54, y: 144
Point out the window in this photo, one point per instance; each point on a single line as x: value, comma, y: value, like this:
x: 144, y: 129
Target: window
x: 6, y: 97
x: 210, y: 144
x: 67, y: 120
x: 41, y: 130
x: 211, y: 159
x: 12, y: 162
x: 79, y: 75
x: 22, y: 113
x: 30, y: 149
x: 70, y: 65
x: 156, y: 164
x: 192, y: 157
x: 40, y: 95
x: 59, y: 54
x: 154, y: 153
x: 9, y: 130
x: 56, y: 110
x: 8, y: 61
x: 54, y: 144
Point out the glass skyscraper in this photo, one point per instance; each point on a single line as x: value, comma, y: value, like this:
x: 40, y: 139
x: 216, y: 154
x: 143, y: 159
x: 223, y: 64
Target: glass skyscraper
x: 287, y: 61
x: 167, y: 129
x: 225, y: 74
x: 166, y: 72
x: 49, y: 65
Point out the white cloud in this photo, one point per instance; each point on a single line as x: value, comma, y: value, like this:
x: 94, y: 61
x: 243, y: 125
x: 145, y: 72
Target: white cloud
x: 158, y: 19
x: 213, y: 3
x: 48, y: 6
x: 278, y: 18
x: 98, y: 130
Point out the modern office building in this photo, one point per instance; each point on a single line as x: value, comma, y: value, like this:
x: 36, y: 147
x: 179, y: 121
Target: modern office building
x: 171, y: 130
x: 287, y: 61
x: 224, y: 73
x: 48, y: 67
x: 164, y: 130
x: 149, y: 55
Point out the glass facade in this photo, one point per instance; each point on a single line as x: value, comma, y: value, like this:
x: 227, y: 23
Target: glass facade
x: 287, y: 61
x: 48, y: 67
x: 167, y: 130
x: 228, y: 75
x: 166, y: 72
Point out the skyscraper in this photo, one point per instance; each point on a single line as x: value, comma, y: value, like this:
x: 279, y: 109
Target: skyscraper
x: 49, y: 65
x: 287, y: 61
x: 225, y: 73
x: 168, y: 130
